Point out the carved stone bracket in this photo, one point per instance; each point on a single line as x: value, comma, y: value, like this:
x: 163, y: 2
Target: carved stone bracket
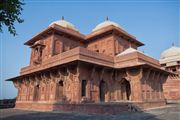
x: 112, y: 74
x: 17, y: 84
x: 59, y: 73
x: 92, y: 73
x: 102, y: 73
x: 26, y: 81
x: 37, y: 81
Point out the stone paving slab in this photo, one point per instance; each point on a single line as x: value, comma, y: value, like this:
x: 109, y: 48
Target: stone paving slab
x: 172, y: 112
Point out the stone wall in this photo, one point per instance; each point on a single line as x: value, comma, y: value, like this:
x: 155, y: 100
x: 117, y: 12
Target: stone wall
x: 172, y: 89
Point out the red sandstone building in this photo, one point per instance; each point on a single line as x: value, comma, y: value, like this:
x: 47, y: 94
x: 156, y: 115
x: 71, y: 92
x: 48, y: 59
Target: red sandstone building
x: 68, y: 68
x: 170, y: 61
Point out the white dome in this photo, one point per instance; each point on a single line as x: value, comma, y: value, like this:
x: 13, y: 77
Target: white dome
x: 129, y: 50
x: 65, y: 24
x: 170, y: 56
x: 105, y: 24
x: 171, y: 52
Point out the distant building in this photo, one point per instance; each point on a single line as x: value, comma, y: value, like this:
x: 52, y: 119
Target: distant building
x: 7, y: 103
x: 67, y: 67
x: 170, y: 61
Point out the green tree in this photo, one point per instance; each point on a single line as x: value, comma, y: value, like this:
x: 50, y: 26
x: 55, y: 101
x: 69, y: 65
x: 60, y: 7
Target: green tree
x: 10, y: 10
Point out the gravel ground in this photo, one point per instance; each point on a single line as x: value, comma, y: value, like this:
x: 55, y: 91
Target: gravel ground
x: 171, y: 112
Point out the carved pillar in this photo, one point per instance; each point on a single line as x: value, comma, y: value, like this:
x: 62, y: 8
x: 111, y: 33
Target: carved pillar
x: 32, y: 86
x: 161, y: 86
x: 145, y: 84
x: 17, y: 84
x: 91, y: 82
x: 112, y: 80
x: 135, y: 76
x: 48, y: 86
x: 52, y: 83
x: 77, y: 84
x: 157, y: 86
x: 36, y: 89
x: 27, y: 85
x: 151, y: 85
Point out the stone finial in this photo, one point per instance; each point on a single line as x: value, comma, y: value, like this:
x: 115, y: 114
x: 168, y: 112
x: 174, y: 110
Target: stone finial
x: 62, y: 18
x: 107, y: 18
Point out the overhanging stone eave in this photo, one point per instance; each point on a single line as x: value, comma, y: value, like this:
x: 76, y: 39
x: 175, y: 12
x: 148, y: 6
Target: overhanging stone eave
x: 58, y: 28
x: 13, y: 78
x: 159, y: 69
x: 91, y: 62
x: 75, y: 54
x: 112, y: 28
x: 135, y: 58
x: 145, y: 65
x: 54, y: 67
x: 129, y: 66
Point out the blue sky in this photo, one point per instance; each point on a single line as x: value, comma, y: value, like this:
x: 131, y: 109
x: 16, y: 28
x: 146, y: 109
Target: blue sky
x: 155, y: 23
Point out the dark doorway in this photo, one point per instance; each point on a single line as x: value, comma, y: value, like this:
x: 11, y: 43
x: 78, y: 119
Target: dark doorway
x: 36, y: 93
x: 83, y: 88
x: 126, y: 90
x: 59, y: 89
x: 102, y: 91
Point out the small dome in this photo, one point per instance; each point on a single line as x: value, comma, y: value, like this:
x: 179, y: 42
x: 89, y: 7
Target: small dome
x: 105, y: 24
x: 129, y: 50
x: 65, y: 24
x: 171, y: 52
x: 170, y: 56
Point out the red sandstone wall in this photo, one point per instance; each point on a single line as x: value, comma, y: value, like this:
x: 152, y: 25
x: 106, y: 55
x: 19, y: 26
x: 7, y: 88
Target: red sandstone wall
x: 151, y: 83
x: 55, y: 44
x: 46, y: 53
x: 172, y: 90
x: 110, y: 45
x: 66, y: 44
x: 122, y: 44
x: 103, y: 45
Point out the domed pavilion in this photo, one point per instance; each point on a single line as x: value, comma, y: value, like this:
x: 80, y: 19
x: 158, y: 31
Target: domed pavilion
x: 102, y: 72
x: 170, y: 61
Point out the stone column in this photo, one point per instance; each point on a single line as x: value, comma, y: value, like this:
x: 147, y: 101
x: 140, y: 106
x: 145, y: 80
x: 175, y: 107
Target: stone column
x: 77, y: 85
x: 17, y: 85
x: 145, y: 83
x: 27, y: 84
x: 135, y: 76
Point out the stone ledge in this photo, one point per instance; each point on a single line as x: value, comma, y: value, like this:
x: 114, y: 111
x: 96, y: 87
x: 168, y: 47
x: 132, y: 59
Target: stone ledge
x: 91, y: 108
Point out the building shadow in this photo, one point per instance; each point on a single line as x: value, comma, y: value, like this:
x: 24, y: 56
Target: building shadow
x: 15, y: 114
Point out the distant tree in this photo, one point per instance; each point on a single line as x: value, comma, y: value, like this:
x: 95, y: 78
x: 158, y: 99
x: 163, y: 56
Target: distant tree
x: 9, y: 14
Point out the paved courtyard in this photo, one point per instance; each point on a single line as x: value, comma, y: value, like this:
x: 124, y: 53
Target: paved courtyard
x: 171, y: 112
